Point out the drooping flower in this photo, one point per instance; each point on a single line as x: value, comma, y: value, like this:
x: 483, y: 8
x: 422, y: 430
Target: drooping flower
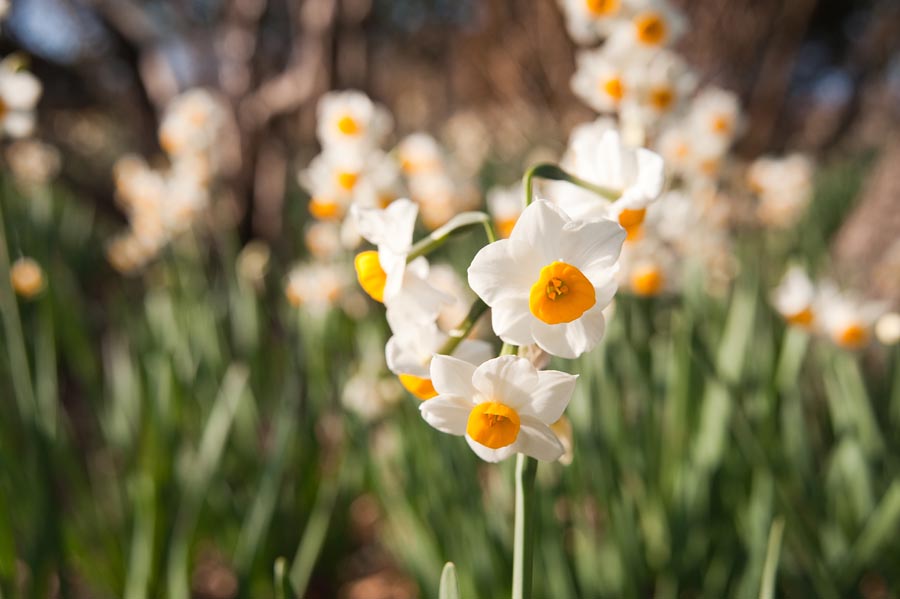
x: 549, y: 282
x: 412, y: 346
x: 503, y: 406
x: 795, y: 298
x: 384, y: 273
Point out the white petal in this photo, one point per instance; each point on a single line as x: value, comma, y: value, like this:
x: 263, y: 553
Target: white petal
x: 571, y: 339
x: 499, y: 270
x: 20, y: 90
x: 447, y: 413
x: 487, y: 454
x: 592, y: 246
x: 538, y: 441
x: 391, y: 227
x: 507, y: 379
x: 551, y: 396
x: 453, y: 376
x: 511, y: 320
x: 19, y: 123
x: 540, y: 225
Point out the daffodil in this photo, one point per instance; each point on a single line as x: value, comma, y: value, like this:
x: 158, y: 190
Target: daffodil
x: 351, y: 119
x: 503, y: 406
x: 598, y: 155
x: 410, y: 350
x: 795, y: 298
x: 335, y: 179
x: 784, y: 186
x: 419, y: 153
x: 590, y: 20
x: 19, y: 93
x: 384, y: 273
x: 505, y: 205
x: 603, y: 78
x: 652, y: 25
x: 549, y: 282
x: 715, y: 115
x: 845, y: 318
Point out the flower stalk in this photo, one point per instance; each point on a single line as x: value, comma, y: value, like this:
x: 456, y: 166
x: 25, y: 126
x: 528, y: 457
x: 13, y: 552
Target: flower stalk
x: 465, y: 327
x: 458, y: 224
x: 546, y: 170
x: 523, y: 544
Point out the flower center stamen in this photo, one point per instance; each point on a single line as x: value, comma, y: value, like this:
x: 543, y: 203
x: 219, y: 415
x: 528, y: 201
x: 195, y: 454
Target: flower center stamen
x: 493, y: 424
x: 561, y: 294
x: 651, y: 28
x: 348, y: 125
x: 602, y: 8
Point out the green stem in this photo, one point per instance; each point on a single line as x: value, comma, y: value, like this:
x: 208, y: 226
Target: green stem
x: 457, y: 224
x: 523, y: 548
x: 20, y: 372
x: 465, y: 327
x: 509, y: 349
x: 546, y: 170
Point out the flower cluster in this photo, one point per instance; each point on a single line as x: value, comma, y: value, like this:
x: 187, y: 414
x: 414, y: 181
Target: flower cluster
x: 822, y: 308
x: 163, y: 203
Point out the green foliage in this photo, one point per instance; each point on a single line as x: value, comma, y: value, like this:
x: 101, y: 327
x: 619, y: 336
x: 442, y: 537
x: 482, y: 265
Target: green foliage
x: 183, y: 419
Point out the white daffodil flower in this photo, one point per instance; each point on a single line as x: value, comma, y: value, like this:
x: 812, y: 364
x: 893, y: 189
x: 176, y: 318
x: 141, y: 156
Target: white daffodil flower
x: 412, y: 346
x: 795, y: 298
x: 652, y: 25
x: 784, y: 186
x: 384, y: 274
x: 419, y: 153
x: 591, y: 20
x: 603, y: 78
x: 19, y: 93
x: 549, y: 282
x: 598, y: 155
x: 845, y: 318
x: 315, y: 287
x: 335, y: 179
x: 350, y: 118
x: 660, y: 86
x: 505, y: 205
x: 715, y: 115
x: 647, y: 268
x: 503, y: 407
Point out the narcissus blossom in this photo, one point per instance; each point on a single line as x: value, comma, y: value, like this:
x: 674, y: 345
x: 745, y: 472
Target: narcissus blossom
x: 795, y: 298
x: 845, y: 318
x: 653, y: 25
x: 19, y: 93
x: 549, y: 282
x: 384, y: 274
x: 350, y: 118
x: 412, y: 346
x: 603, y: 78
x: 503, y: 407
x: 505, y: 205
x: 598, y: 155
x: 591, y: 20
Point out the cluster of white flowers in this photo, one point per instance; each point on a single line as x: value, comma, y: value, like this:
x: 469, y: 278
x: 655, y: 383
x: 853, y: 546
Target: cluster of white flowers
x: 822, y: 308
x: 784, y: 186
x: 355, y: 174
x: 19, y: 94
x: 163, y: 203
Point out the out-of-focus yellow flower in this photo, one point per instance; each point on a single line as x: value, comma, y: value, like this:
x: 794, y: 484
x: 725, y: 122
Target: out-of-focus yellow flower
x: 253, y: 262
x: 33, y: 162
x: 27, y: 277
x: 350, y: 119
x: 844, y: 318
x: 887, y: 329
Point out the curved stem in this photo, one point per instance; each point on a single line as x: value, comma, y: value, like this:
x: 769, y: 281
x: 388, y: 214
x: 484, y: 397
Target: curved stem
x: 465, y: 327
x: 523, y: 546
x: 457, y: 224
x: 546, y: 170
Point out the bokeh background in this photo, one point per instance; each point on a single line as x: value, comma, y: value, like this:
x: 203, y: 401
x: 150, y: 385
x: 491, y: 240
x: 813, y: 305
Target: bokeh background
x: 187, y: 435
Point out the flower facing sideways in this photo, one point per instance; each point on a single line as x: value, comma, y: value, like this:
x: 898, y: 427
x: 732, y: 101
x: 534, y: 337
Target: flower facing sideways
x: 503, y: 407
x: 549, y: 282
